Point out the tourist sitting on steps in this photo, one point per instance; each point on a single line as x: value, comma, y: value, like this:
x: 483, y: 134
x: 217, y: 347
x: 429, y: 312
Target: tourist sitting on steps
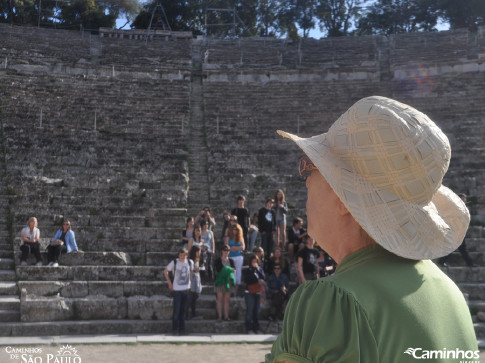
x: 63, y: 242
x: 30, y: 242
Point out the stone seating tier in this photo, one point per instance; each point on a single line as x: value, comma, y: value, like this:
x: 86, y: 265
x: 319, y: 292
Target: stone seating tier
x: 28, y: 95
x: 50, y: 45
x: 410, y: 48
x: 137, y: 326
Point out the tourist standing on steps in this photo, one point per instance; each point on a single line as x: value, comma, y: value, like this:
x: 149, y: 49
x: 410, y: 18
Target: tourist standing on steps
x: 197, y: 240
x: 30, y: 242
x: 242, y: 214
x: 64, y: 241
x: 296, y: 235
x: 377, y: 205
x: 188, y: 232
x: 182, y: 269
x: 253, y: 232
x: 266, y: 226
x: 236, y: 246
x: 306, y: 261
x: 210, y: 246
x: 277, y: 258
x: 255, y: 285
x: 278, y: 291
x: 224, y: 268
x: 281, y: 210
x: 205, y: 215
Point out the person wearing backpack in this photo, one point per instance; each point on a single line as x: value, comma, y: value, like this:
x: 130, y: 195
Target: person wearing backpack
x: 182, y: 269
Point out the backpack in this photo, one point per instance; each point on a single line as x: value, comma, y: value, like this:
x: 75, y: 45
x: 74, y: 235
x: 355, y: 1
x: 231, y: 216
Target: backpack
x: 171, y: 273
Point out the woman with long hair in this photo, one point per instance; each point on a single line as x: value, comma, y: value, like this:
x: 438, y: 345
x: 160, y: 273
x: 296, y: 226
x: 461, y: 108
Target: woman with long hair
x: 198, y: 241
x: 187, y: 232
x: 224, y: 269
x: 281, y: 210
x: 236, y: 245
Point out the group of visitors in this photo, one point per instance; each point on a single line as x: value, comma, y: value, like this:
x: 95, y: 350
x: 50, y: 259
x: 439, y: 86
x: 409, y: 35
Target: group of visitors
x: 260, y: 254
x: 64, y: 241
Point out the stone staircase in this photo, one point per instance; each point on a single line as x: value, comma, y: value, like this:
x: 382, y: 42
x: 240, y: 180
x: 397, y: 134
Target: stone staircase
x: 198, y: 196
x: 9, y: 294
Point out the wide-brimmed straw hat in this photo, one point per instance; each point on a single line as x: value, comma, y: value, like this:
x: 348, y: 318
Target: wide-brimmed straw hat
x: 386, y: 161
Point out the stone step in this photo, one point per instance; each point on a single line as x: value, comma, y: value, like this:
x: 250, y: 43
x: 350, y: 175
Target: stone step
x: 6, y: 263
x: 86, y: 259
x: 9, y: 302
x: 114, y: 244
x: 9, y: 316
x: 6, y: 253
x: 465, y: 274
x: 115, y: 289
x: 89, y: 273
x: 56, y: 308
x: 479, y: 330
x: 474, y: 290
x: 96, y: 327
x: 115, y: 221
x: 8, y: 288
x: 7, y: 275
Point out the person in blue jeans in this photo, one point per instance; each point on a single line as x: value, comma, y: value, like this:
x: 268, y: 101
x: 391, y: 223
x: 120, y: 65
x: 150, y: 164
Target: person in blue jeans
x: 254, y: 277
x: 182, y: 269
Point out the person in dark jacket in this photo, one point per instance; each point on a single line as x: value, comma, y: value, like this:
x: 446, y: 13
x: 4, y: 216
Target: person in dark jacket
x: 254, y: 277
x: 267, y: 226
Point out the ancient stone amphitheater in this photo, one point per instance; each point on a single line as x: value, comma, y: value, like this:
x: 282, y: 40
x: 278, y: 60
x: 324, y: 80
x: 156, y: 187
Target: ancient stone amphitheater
x: 127, y: 137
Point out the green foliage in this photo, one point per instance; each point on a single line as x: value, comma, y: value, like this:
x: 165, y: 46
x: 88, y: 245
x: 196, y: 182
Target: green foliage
x: 399, y: 16
x: 337, y: 16
x: 90, y: 14
x: 463, y: 13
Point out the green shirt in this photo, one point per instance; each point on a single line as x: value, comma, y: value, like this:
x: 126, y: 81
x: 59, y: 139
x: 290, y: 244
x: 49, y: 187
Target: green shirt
x: 376, y: 307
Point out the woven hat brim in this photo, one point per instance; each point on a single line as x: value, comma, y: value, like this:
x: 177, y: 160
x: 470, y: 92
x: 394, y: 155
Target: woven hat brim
x: 406, y: 229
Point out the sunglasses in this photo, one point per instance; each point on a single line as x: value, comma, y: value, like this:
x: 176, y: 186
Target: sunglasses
x: 306, y: 166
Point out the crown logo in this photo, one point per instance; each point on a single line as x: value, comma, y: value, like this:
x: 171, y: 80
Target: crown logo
x: 67, y: 350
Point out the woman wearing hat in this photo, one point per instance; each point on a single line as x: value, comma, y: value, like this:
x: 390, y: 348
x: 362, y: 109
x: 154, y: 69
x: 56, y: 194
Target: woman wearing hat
x: 377, y: 206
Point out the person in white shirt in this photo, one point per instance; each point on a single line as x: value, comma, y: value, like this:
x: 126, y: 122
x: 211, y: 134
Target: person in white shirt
x: 182, y: 269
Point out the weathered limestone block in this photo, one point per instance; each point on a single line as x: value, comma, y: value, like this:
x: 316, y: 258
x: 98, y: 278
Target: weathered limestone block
x: 96, y: 308
x: 35, y: 273
x: 106, y: 288
x: 47, y: 309
x: 67, y: 289
x: 84, y: 273
x: 145, y: 288
x: 114, y: 273
x: 74, y: 289
x: 124, y: 245
x: 108, y: 258
x: 147, y: 273
x: 154, y: 307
